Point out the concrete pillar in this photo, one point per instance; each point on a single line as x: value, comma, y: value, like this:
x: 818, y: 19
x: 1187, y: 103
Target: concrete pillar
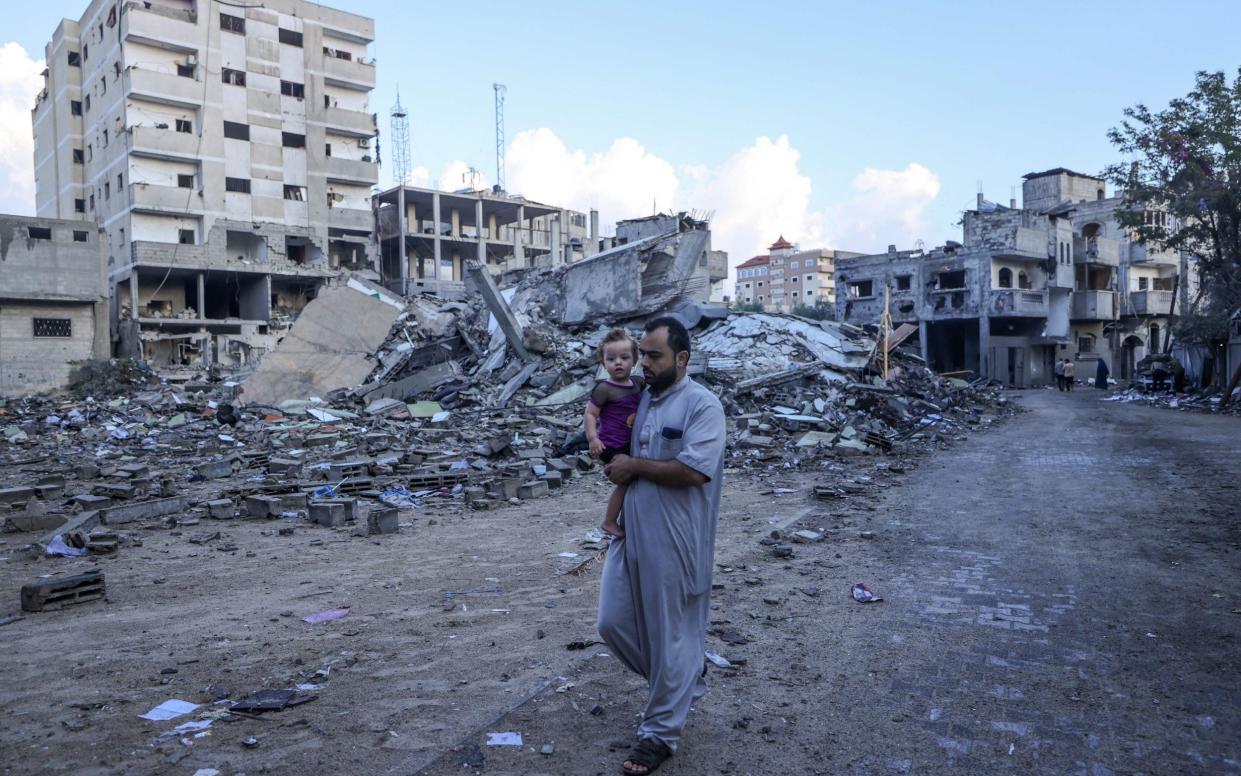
x: 519, y: 237
x: 493, y: 227
x: 402, y: 261
x: 478, y: 227
x: 202, y: 295
x: 594, y: 233
x: 435, y: 216
x: 984, y: 346
x: 923, y: 336
x: 557, y: 255
x: 455, y: 215
x: 133, y: 293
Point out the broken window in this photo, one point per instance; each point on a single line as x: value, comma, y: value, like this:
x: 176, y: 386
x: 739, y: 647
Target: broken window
x: 75, y: 59
x: 39, y: 232
x: 296, y: 193
x: 954, y: 279
x: 903, y: 282
x: 238, y: 185
x: 79, y: 156
x: 79, y: 236
x: 185, y: 181
x: 293, y: 140
x: 290, y: 37
x: 1006, y: 277
x: 185, y: 125
x: 861, y: 289
x: 185, y: 70
x: 1142, y: 284
x: 235, y: 24
x: 1023, y: 280
x: 1085, y: 344
x: 236, y: 130
x: 79, y: 205
x: 234, y: 77
x: 53, y: 327
x: 291, y: 89
x: 75, y: 107
x: 185, y: 236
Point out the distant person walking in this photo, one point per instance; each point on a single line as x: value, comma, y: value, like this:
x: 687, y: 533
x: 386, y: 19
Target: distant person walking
x: 1068, y: 374
x: 1060, y: 374
x: 1100, y: 375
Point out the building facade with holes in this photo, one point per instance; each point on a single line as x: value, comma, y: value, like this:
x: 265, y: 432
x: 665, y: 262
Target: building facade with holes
x: 53, y: 302
x: 227, y: 151
x: 1057, y: 278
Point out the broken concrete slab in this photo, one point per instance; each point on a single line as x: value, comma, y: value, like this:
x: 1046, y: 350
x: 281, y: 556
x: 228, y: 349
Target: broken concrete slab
x: 533, y: 489
x: 144, y: 510
x: 486, y: 286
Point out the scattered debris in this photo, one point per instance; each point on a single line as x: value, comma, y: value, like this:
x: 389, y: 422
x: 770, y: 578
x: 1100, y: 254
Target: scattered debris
x: 504, y: 739
x: 863, y: 595
x: 325, y: 616
x: 59, y: 592
x: 169, y: 709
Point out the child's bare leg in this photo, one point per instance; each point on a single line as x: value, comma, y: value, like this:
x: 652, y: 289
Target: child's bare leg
x: 615, y: 502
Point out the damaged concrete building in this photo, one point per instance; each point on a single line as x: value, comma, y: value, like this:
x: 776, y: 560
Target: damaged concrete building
x: 1057, y: 278
x: 442, y: 231
x: 227, y: 152
x: 53, y: 302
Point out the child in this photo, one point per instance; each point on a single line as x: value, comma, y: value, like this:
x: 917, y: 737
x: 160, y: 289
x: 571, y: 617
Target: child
x: 610, y: 412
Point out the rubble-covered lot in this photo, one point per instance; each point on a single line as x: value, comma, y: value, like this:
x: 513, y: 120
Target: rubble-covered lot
x: 351, y: 582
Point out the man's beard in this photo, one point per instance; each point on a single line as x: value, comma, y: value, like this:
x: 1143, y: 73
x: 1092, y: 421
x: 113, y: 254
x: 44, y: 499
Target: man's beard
x: 661, y: 381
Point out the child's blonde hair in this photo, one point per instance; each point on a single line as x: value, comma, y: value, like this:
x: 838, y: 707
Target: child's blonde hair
x: 617, y: 335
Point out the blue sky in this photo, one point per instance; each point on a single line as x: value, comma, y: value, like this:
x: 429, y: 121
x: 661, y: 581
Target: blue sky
x: 965, y: 92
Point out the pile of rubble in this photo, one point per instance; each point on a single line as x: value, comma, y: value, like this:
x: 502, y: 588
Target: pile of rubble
x: 1206, y: 400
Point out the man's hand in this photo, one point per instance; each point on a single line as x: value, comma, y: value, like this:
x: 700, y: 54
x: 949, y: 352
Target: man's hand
x: 622, y: 470
x: 596, y: 448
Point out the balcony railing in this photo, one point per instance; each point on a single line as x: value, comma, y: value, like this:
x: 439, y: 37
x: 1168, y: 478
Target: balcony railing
x: 1096, y: 250
x: 349, y: 73
x: 1092, y: 305
x: 352, y: 170
x: 163, y: 143
x: 1150, y: 302
x: 163, y: 87
x: 1018, y: 302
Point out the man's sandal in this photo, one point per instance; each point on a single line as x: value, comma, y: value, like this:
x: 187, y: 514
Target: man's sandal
x: 648, y: 753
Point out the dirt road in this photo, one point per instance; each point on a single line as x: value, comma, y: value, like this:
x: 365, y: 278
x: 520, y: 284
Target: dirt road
x: 1060, y: 598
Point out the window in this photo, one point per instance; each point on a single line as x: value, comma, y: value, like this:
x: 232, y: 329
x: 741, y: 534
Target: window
x: 903, y: 282
x: 79, y: 156
x: 79, y: 205
x: 290, y: 37
x: 290, y: 89
x: 86, y: 103
x: 75, y: 59
x: 293, y: 140
x: 92, y: 201
x: 185, y: 70
x: 75, y: 107
x: 794, y: 293
x: 122, y: 236
x: 1085, y: 344
x: 90, y: 152
x: 85, y: 53
x: 240, y: 185
x: 116, y: 69
x: 760, y: 284
x: 103, y: 86
x: 53, y: 327
x: 185, y: 181
x: 327, y: 149
x: 809, y: 277
x: 236, y: 131
x: 185, y: 125
x: 79, y: 236
x: 105, y: 138
x: 296, y: 193
x: 1023, y: 280
x: 1006, y: 277
x: 235, y: 24
x: 234, y: 77
x: 861, y: 289
x: 954, y: 279
x: 107, y: 190
x: 185, y: 236
x: 39, y: 232
x: 345, y: 55
x: 327, y: 101
x: 1142, y: 284
x: 794, y: 280
x: 120, y: 181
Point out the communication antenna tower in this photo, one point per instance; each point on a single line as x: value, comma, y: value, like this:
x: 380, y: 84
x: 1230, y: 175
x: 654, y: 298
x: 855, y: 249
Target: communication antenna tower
x: 500, y: 90
x: 400, y: 142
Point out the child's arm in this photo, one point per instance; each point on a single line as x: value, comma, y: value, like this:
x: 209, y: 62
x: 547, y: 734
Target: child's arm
x: 592, y: 429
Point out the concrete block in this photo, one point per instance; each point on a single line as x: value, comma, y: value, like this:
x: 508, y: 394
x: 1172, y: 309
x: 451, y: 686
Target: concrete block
x: 505, y: 489
x: 473, y: 494
x: 215, y: 470
x: 134, y: 470
x: 553, y: 479
x: 561, y: 465
x: 382, y: 521
x: 90, y: 501
x: 88, y: 471
x: 327, y: 513
x: 292, y: 502
x: 221, y: 509
x: 321, y: 440
x: 756, y: 441
x: 584, y: 462
x: 348, y: 503
x: 144, y: 510
x: 115, y: 490
x: 286, y: 466
x: 263, y: 506
x: 16, y: 495
x: 533, y: 489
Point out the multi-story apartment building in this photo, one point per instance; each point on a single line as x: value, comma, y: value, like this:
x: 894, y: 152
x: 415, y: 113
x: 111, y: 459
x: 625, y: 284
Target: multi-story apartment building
x: 443, y: 230
x: 1057, y: 278
x: 227, y: 152
x: 753, y: 282
x: 796, y: 277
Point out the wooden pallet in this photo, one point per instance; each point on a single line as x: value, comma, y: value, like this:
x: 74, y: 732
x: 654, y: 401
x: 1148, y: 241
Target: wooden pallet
x: 52, y: 594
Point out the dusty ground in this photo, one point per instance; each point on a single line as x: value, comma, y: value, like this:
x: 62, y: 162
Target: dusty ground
x: 1062, y: 597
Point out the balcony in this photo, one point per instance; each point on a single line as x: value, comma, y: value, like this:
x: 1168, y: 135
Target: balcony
x: 349, y: 122
x: 1092, y: 306
x: 1145, y: 254
x: 352, y: 171
x: 164, y: 199
x: 348, y: 73
x: 717, y: 266
x: 159, y: 26
x: 162, y: 143
x: 1096, y: 250
x: 340, y: 217
x: 163, y: 87
x: 1023, y: 243
x: 1150, y: 302
x: 1018, y: 303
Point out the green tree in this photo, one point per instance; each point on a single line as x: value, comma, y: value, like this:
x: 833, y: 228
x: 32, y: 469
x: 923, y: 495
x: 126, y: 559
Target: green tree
x: 1186, y: 160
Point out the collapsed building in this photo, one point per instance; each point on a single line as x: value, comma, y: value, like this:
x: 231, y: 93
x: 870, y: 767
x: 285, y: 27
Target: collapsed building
x: 227, y: 151
x: 1057, y: 278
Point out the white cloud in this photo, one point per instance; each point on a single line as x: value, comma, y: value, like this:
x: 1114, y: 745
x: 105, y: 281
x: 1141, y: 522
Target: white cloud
x: 20, y: 82
x: 456, y: 175
x: 886, y: 207
x: 756, y: 195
